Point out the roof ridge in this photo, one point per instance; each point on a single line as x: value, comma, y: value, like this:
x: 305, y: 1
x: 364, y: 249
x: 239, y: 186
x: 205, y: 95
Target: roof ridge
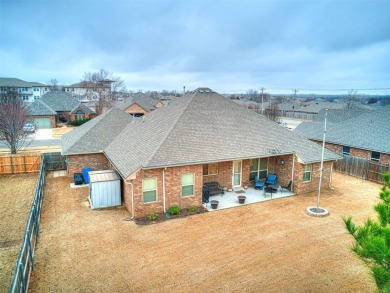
x: 171, y: 128
x: 46, y: 105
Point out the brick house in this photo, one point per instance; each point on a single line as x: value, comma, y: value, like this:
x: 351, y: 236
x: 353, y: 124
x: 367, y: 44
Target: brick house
x: 57, y: 107
x: 165, y: 158
x: 140, y: 104
x: 357, y: 133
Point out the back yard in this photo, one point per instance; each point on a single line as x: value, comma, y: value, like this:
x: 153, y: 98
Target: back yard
x: 269, y: 247
x: 16, y: 194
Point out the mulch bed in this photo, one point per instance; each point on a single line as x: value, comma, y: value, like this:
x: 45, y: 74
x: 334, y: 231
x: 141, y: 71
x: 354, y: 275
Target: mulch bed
x: 162, y: 217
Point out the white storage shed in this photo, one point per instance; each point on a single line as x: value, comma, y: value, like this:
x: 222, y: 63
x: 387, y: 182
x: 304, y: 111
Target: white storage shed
x: 104, y: 189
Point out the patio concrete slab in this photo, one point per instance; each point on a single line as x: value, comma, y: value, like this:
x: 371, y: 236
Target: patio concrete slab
x: 230, y: 200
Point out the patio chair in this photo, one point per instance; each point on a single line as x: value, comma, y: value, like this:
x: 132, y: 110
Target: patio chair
x: 286, y: 187
x: 258, y: 184
x: 271, y: 179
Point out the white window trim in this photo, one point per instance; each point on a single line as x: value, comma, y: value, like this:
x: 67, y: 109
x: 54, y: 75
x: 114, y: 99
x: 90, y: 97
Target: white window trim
x: 304, y: 172
x: 344, y: 153
x: 143, y: 200
x: 193, y: 185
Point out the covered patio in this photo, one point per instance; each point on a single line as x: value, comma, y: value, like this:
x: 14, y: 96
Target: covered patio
x: 230, y: 200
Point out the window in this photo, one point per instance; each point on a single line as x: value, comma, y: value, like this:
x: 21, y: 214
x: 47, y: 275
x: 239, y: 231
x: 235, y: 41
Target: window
x: 149, y: 189
x: 210, y: 169
x: 36, y: 89
x: 258, y: 167
x: 375, y: 156
x: 307, y: 173
x: 187, y: 184
x: 346, y: 150
x: 25, y: 98
x: 36, y: 98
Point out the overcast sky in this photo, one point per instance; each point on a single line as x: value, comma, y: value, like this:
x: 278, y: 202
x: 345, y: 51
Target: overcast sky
x: 229, y: 46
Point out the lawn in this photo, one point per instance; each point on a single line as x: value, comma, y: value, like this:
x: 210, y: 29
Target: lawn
x: 271, y: 246
x: 16, y: 194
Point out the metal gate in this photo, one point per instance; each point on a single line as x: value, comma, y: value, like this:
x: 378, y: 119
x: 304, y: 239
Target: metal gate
x: 55, y: 161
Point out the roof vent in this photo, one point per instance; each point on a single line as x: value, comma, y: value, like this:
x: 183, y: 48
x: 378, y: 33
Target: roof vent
x: 207, y: 91
x: 201, y: 91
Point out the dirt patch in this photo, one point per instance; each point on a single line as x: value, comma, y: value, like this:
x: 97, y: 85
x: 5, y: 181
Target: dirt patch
x: 271, y: 246
x: 16, y: 194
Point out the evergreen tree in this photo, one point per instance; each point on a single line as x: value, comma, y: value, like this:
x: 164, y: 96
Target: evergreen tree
x: 373, y: 239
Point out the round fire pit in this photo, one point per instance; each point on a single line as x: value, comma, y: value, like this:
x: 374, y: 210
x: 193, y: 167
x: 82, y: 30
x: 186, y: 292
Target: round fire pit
x: 317, y: 212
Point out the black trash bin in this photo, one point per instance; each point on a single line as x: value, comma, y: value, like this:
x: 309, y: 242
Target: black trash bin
x: 78, y: 178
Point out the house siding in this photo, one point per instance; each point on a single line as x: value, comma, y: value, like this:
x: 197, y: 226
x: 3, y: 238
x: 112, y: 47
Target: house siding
x: 300, y: 186
x: 173, y: 190
x: 76, y: 163
x: 355, y: 152
x: 136, y: 109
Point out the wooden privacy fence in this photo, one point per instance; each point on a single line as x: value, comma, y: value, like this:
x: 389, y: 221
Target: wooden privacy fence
x: 25, y: 261
x: 361, y: 168
x: 31, y: 162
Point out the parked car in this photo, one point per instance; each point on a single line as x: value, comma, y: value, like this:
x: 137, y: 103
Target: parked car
x: 29, y: 128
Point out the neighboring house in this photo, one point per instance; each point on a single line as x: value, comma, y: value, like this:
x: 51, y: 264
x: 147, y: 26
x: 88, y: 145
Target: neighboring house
x: 89, y: 91
x: 57, y: 107
x: 140, y: 104
x: 353, y: 132
x: 28, y: 91
x: 165, y: 158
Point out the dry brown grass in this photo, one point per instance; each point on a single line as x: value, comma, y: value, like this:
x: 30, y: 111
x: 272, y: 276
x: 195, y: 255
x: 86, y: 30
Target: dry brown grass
x: 16, y: 194
x: 271, y: 246
x: 58, y: 132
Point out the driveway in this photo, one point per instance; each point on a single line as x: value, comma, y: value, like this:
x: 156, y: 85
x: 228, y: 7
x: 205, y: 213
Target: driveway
x: 271, y: 246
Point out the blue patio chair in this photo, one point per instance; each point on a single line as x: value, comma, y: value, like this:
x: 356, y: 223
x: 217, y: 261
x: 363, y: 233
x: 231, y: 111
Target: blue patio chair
x: 271, y: 179
x: 258, y: 184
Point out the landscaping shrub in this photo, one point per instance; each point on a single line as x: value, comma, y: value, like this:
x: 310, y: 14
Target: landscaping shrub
x: 152, y: 216
x: 79, y: 122
x: 191, y: 208
x: 174, y: 210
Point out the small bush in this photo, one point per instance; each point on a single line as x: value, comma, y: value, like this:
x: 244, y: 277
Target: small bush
x: 191, y: 208
x: 174, y: 210
x: 79, y: 122
x: 152, y: 216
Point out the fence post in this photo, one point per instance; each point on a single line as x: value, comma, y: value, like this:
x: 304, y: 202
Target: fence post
x: 30, y: 249
x: 22, y: 277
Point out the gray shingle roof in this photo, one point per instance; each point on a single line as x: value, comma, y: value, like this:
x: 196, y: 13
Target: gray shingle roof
x: 368, y: 131
x: 40, y: 108
x: 338, y: 115
x: 143, y: 100
x: 55, y: 102
x: 204, y: 126
x: 96, y: 134
x: 15, y: 82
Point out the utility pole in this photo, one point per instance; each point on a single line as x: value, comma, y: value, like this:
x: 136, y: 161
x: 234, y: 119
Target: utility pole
x: 262, y: 101
x: 295, y: 98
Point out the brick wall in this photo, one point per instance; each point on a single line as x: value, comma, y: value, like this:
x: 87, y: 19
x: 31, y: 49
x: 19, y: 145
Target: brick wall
x: 96, y: 161
x: 303, y: 187
x: 173, y: 193
x: 354, y: 152
x: 284, y: 172
x: 224, y: 176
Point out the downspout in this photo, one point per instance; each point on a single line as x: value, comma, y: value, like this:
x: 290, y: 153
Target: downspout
x: 132, y: 200
x: 331, y: 175
x: 292, y: 173
x: 164, y: 188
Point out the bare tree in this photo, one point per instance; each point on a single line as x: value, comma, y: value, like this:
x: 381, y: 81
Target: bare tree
x: 105, y: 86
x: 352, y: 99
x: 13, y: 116
x: 272, y: 111
x: 53, y: 85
